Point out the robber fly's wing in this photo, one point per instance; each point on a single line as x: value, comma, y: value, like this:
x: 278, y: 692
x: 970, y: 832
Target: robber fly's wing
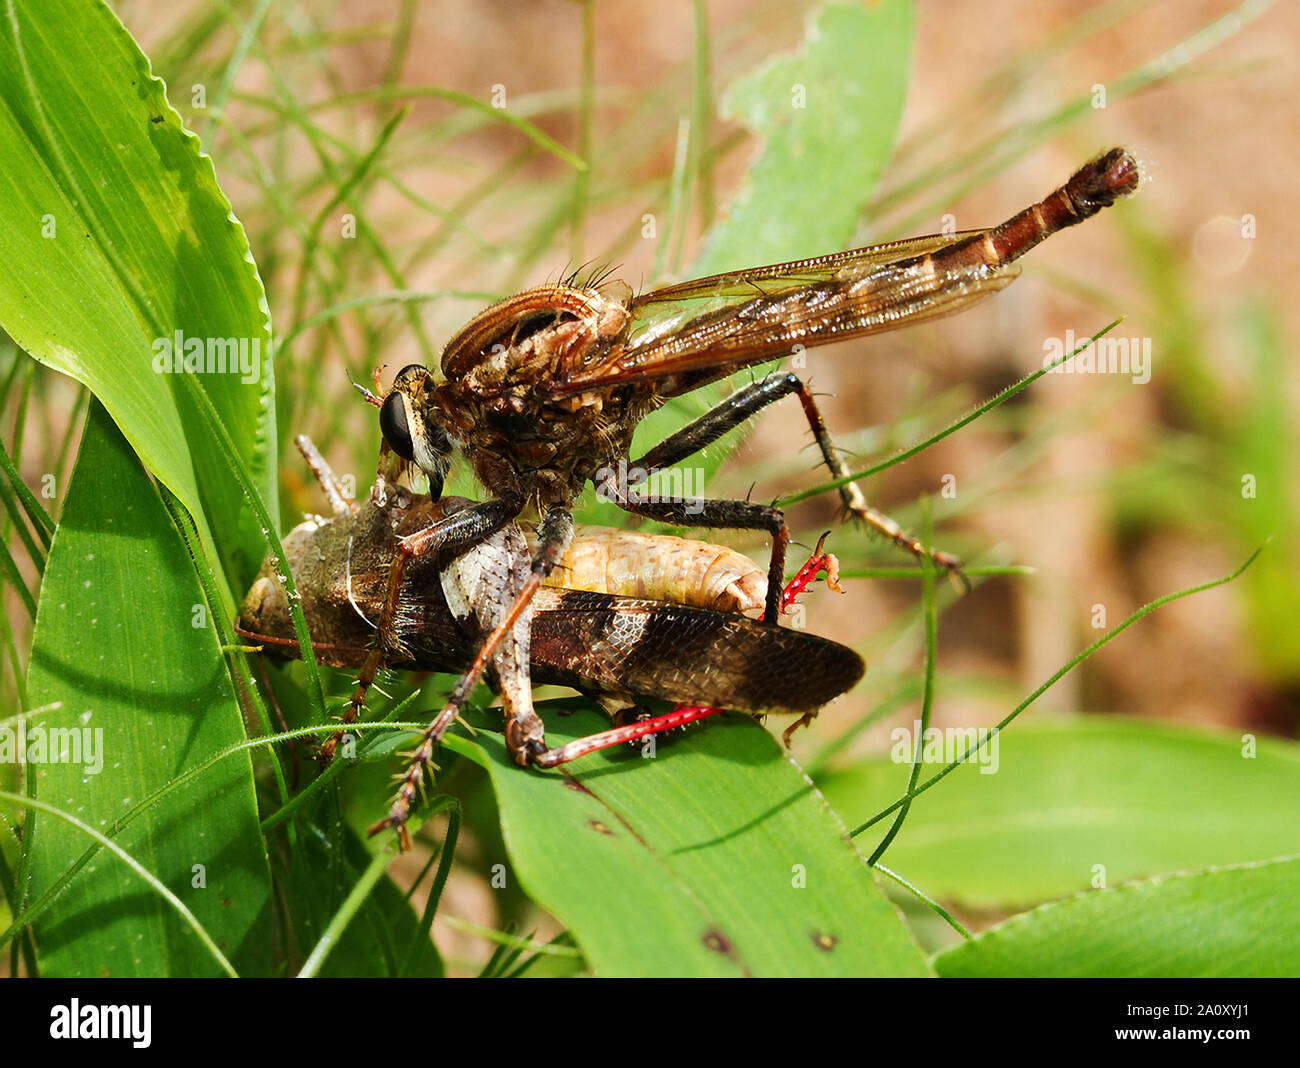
x: 761, y: 313
x: 751, y: 281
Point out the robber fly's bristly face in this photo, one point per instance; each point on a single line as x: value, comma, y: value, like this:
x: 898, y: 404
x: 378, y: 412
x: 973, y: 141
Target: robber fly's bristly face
x: 410, y: 425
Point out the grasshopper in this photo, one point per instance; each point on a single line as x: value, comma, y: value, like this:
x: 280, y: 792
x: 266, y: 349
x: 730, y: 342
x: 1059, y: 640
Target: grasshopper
x: 691, y: 646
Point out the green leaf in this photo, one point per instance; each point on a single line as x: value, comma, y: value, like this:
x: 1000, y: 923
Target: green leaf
x: 828, y: 118
x: 316, y: 882
x: 1134, y: 797
x: 1241, y: 921
x: 117, y: 653
x: 717, y: 857
x: 852, y: 75
x: 125, y: 242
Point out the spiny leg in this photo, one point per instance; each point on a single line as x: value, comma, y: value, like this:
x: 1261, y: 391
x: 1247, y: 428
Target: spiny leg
x: 819, y: 561
x: 553, y: 538
x: 729, y: 515
x: 678, y: 717
x: 749, y: 400
x: 457, y: 531
x: 488, y: 586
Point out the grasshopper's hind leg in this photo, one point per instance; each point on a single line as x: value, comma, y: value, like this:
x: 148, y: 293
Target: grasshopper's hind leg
x: 678, y: 717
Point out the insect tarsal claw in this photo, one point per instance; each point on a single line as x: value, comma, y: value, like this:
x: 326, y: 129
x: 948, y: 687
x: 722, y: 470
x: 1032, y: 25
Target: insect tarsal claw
x: 802, y: 721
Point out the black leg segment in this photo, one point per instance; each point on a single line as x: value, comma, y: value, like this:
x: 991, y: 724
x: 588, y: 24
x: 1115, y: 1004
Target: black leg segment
x: 749, y: 400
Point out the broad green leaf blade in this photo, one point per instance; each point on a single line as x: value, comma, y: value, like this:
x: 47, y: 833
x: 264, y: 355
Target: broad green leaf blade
x: 315, y: 876
x: 716, y: 857
x: 827, y: 119
x: 1132, y: 797
x: 317, y: 880
x: 120, y: 245
x: 117, y: 647
x: 1241, y: 921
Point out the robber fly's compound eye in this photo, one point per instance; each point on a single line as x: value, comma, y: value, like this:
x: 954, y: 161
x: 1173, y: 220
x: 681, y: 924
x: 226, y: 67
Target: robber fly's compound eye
x: 392, y: 424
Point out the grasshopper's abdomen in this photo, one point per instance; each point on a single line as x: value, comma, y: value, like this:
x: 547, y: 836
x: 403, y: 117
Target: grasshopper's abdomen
x: 659, y: 567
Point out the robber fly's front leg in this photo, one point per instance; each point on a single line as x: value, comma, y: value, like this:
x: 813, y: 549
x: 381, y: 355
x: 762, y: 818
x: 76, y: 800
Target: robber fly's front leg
x: 750, y: 399
x: 524, y: 735
x: 453, y: 533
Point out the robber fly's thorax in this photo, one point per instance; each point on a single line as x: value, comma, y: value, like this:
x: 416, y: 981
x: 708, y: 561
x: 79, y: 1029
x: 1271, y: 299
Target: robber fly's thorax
x: 494, y: 403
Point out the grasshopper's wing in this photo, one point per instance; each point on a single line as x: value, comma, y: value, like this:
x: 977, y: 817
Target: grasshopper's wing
x: 685, y: 654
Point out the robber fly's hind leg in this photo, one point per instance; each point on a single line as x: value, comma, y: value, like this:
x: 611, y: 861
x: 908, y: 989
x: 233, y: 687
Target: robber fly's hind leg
x: 729, y: 515
x: 524, y: 737
x: 456, y: 531
x: 749, y: 400
x: 340, y: 502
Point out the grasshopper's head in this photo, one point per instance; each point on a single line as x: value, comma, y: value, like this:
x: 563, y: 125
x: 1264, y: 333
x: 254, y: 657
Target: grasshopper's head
x: 412, y: 428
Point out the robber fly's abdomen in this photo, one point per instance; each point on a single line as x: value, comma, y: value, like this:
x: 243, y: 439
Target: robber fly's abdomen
x: 1096, y: 185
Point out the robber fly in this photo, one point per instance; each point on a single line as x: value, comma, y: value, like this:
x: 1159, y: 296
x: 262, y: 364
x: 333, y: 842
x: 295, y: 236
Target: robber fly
x: 692, y: 646
x: 542, y: 392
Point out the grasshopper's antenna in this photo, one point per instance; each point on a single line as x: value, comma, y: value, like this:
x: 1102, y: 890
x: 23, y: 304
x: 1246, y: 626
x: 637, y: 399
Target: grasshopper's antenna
x: 371, y: 398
